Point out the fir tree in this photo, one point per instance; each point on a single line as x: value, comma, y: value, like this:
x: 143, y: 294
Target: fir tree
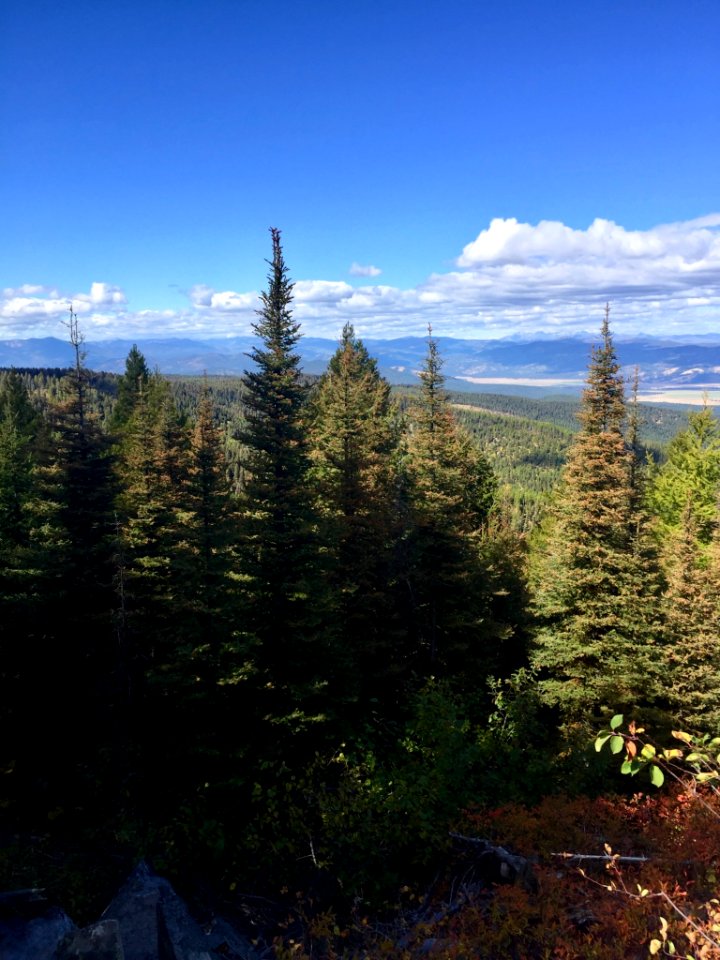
x: 153, y: 469
x: 131, y: 386
x: 692, y: 604
x: 354, y: 438
x: 691, y: 470
x: 284, y: 592
x: 74, y: 516
x: 599, y: 581
x: 450, y: 491
x: 212, y: 534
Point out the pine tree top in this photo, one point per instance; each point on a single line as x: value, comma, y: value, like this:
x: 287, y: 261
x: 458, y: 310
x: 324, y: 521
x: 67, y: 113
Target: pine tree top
x: 276, y: 328
x: 603, y: 402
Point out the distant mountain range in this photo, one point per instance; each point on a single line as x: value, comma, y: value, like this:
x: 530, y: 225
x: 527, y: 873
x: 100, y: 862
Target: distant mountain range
x: 557, y: 365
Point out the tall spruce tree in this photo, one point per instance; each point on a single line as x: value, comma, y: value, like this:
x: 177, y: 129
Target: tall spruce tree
x: 598, y: 582
x: 450, y: 491
x: 284, y: 605
x: 354, y: 438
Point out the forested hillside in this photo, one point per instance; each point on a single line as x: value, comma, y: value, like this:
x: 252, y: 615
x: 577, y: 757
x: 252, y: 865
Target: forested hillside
x: 526, y: 440
x: 284, y: 636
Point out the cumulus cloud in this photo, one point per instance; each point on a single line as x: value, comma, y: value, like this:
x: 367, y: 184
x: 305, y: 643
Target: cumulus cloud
x: 508, y: 241
x: 513, y: 278
x: 322, y: 291
x: 358, y: 270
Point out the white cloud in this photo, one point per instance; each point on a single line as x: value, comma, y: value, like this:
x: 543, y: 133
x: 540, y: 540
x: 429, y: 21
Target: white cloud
x: 513, y: 278
x: 104, y: 295
x: 507, y: 241
x: 358, y: 270
x: 322, y: 291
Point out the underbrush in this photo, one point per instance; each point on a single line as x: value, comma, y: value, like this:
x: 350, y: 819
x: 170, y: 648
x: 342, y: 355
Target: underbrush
x: 585, y: 900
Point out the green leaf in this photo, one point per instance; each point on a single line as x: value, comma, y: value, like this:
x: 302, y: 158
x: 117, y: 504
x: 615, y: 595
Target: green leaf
x: 657, y: 777
x: 617, y: 744
x: 648, y: 751
x: 616, y: 721
x: 601, y: 741
x: 631, y: 767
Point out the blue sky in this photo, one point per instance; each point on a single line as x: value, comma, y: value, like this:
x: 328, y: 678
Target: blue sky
x: 491, y: 167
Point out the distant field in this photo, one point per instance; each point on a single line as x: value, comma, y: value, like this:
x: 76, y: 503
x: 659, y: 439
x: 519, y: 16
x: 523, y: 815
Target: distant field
x: 526, y: 381
x: 695, y: 396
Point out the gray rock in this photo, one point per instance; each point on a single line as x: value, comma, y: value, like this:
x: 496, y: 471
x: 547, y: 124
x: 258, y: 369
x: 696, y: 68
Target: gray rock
x: 35, y: 939
x: 155, y: 924
x: 99, y: 941
x: 146, y: 920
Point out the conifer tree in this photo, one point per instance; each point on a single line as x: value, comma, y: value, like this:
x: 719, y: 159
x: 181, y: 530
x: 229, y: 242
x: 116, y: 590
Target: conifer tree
x: 285, y: 604
x: 692, y: 604
x: 131, y: 386
x: 450, y: 490
x: 19, y: 427
x: 599, y: 582
x: 75, y: 517
x: 212, y: 534
x: 153, y: 468
x: 691, y: 470
x: 21, y: 594
x: 354, y: 438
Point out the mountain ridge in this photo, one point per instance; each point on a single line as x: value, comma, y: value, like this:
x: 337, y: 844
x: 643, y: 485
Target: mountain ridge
x: 664, y: 362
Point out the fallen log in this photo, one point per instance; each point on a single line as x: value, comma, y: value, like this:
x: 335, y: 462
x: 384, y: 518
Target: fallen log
x: 495, y: 864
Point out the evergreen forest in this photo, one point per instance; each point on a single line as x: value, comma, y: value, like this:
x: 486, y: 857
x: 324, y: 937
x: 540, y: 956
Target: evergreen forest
x: 299, y: 642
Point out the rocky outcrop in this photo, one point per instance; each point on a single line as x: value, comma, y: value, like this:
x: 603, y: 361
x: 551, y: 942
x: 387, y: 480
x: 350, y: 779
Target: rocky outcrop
x: 146, y: 920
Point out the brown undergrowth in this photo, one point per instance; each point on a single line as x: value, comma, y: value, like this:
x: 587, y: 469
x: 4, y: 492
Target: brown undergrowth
x: 603, y: 907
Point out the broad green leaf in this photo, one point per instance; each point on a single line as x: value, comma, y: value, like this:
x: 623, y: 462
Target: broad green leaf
x: 601, y: 741
x: 648, y: 751
x: 616, y: 721
x: 616, y: 744
x: 657, y: 777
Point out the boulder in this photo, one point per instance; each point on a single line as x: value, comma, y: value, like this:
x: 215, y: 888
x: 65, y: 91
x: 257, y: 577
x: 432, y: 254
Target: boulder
x: 99, y: 941
x: 35, y: 938
x: 155, y: 924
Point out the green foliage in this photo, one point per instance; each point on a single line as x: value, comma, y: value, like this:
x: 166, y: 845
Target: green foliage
x: 599, y: 577
x: 354, y: 435
x: 285, y: 606
x: 131, y: 386
x: 690, y: 475
x: 450, y: 489
x: 526, y: 455
x: 692, y: 615
x: 281, y: 628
